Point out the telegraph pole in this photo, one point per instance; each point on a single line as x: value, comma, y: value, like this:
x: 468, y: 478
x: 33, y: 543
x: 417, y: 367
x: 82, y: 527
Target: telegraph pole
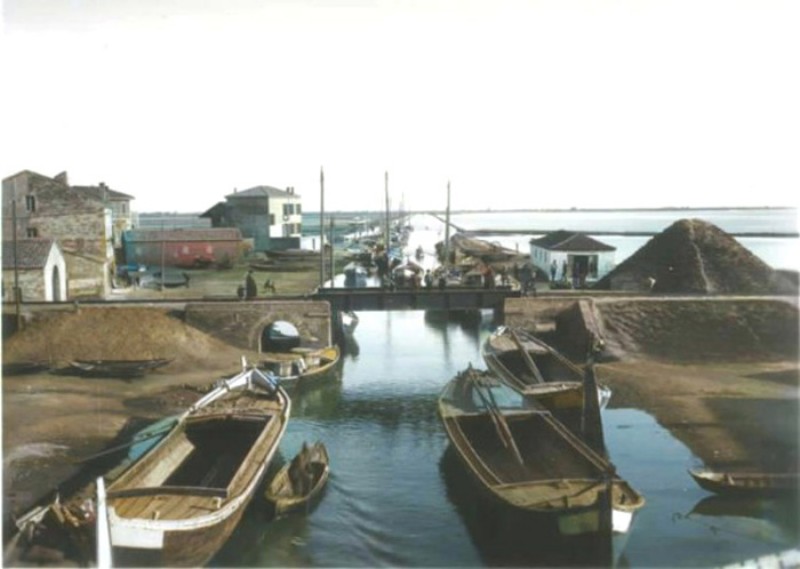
x: 17, y: 292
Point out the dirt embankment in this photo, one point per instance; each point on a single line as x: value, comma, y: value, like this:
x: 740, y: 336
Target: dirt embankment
x: 52, y: 422
x: 722, y: 375
x: 129, y: 333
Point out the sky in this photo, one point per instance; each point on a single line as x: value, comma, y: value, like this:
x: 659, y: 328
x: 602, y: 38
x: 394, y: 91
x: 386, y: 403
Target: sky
x: 517, y: 104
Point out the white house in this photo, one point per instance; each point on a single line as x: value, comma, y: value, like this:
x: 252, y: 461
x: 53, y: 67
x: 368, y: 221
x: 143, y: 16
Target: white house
x: 572, y: 256
x: 39, y: 267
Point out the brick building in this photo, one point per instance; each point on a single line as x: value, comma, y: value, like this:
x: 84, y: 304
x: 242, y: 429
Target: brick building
x: 79, y: 222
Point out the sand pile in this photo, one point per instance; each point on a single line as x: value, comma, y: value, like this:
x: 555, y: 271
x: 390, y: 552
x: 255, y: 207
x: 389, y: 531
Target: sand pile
x: 701, y: 330
x: 120, y: 334
x: 696, y: 257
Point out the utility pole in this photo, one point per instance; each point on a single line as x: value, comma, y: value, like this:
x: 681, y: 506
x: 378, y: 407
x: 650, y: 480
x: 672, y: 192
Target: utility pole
x: 321, y: 228
x: 17, y: 292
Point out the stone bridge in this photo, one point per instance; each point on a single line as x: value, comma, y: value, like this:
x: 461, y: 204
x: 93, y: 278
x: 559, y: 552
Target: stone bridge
x: 244, y: 324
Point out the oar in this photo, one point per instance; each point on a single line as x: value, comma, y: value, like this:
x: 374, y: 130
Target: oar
x: 527, y: 357
x: 500, y: 423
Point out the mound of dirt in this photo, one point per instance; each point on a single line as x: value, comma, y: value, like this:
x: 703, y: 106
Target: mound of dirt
x: 117, y: 333
x: 696, y: 257
x: 700, y: 330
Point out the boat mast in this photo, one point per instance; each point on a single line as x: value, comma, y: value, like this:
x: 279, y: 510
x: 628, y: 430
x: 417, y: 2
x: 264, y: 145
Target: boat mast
x: 447, y: 229
x: 386, y: 195
x: 321, y: 227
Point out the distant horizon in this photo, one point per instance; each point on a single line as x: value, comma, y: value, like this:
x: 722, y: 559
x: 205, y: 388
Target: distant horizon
x: 509, y: 210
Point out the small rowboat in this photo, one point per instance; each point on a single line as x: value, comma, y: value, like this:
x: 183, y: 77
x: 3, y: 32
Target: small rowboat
x: 746, y: 483
x: 116, y: 368
x: 302, y: 363
x: 299, y: 483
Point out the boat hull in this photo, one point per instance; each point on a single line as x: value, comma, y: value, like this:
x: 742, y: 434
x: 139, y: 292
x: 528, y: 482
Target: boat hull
x: 179, y: 504
x: 529, y: 461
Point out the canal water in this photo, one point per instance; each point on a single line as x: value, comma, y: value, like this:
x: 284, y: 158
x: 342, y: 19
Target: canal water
x: 397, y: 497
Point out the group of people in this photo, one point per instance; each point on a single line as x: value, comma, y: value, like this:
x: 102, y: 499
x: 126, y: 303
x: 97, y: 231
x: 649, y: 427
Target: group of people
x: 249, y: 290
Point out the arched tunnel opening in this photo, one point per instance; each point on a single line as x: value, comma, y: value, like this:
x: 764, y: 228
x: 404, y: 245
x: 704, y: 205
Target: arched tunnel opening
x: 280, y: 336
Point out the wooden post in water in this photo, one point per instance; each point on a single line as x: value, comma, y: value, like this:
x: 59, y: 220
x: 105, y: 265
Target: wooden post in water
x: 321, y: 228
x: 592, y: 423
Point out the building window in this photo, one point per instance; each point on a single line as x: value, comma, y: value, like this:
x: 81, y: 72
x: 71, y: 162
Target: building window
x: 124, y: 208
x: 30, y: 203
x: 272, y: 219
x: 33, y: 232
x: 297, y: 209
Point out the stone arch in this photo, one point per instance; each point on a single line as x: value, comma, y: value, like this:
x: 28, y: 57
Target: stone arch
x: 55, y: 282
x: 260, y: 327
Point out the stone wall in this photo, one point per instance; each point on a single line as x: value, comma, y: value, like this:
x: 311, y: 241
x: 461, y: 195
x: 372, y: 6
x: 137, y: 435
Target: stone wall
x: 241, y: 324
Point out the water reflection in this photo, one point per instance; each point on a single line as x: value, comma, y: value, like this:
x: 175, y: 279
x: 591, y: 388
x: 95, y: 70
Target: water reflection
x: 772, y: 520
x: 507, y: 537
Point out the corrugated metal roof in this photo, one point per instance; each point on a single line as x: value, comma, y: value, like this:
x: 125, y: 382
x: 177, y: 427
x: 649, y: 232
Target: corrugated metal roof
x: 262, y: 191
x: 564, y: 240
x: 32, y: 253
x: 209, y: 234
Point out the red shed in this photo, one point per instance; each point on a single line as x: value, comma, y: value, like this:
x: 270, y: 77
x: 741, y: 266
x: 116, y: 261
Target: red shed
x: 185, y: 248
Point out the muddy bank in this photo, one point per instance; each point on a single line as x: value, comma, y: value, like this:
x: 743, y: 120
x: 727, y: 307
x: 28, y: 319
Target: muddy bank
x: 739, y: 416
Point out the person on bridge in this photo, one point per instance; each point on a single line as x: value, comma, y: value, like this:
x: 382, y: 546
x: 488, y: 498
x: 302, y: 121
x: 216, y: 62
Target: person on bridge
x: 250, y: 287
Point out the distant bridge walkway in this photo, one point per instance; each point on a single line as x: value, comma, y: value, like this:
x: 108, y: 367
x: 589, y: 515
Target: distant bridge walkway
x: 449, y: 298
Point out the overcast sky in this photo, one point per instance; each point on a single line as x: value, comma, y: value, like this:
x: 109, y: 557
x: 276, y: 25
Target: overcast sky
x: 519, y: 104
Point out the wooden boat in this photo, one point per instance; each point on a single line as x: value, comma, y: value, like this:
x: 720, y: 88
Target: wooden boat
x: 302, y: 363
x: 533, y: 368
x: 524, y: 458
x: 760, y: 484
x: 116, y: 368
x: 57, y: 530
x: 298, y: 484
x: 179, y: 503
x: 25, y: 368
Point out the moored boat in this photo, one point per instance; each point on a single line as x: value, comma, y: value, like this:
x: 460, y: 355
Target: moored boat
x: 300, y: 482
x: 116, y: 368
x: 531, y: 367
x: 524, y: 458
x: 757, y: 484
x: 302, y: 363
x: 179, y: 503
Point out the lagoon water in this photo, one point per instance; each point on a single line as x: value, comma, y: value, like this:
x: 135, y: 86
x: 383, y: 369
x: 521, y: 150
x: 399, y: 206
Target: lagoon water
x: 395, y: 499
x: 398, y: 497
x: 781, y: 251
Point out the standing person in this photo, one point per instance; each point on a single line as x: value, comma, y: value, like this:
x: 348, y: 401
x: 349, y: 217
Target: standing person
x: 250, y: 287
x: 564, y: 271
x: 428, y: 279
x: 525, y: 278
x: 553, y: 270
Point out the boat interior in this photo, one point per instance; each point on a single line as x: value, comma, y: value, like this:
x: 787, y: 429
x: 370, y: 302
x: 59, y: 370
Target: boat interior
x: 546, y: 454
x: 202, y: 458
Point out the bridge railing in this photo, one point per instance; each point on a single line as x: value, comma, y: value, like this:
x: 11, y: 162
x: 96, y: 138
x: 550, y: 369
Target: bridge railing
x: 449, y: 298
